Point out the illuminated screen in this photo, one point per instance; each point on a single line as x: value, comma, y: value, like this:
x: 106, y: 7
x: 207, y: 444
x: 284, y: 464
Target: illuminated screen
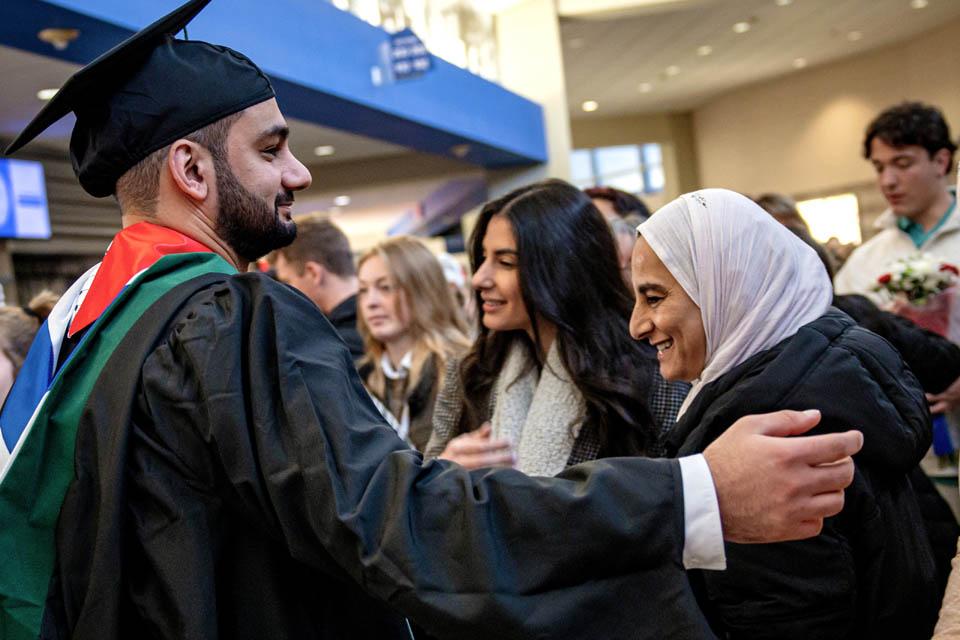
x: 23, y: 200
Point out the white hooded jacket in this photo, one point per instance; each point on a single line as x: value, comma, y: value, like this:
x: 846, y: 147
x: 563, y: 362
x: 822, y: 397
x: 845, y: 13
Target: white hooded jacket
x: 873, y: 258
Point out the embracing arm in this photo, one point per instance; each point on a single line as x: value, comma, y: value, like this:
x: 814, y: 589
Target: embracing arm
x: 298, y: 447
x: 288, y: 427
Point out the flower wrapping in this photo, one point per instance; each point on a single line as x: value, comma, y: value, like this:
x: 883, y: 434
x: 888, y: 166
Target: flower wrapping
x: 922, y: 289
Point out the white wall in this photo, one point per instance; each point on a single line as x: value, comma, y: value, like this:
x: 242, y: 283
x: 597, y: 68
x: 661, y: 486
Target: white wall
x: 803, y: 133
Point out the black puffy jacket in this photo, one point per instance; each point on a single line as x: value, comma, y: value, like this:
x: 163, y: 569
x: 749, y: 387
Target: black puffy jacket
x: 870, y: 573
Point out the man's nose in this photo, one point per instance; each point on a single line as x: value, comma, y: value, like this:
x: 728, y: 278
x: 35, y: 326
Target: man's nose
x: 296, y: 176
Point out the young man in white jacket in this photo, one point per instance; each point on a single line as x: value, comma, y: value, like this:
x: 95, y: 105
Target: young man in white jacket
x: 911, y: 149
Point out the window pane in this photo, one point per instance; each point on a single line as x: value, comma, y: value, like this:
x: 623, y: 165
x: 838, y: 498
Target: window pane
x: 617, y: 159
x: 631, y: 182
x: 581, y: 167
x: 652, y: 155
x: 655, y: 179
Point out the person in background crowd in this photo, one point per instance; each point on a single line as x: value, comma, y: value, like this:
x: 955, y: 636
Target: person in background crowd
x: 614, y: 203
x: 411, y: 327
x: 623, y: 212
x: 456, y: 276
x: 319, y: 264
x: 553, y: 370
x: 911, y: 149
x: 624, y: 237
x: 760, y: 338
x: 18, y: 326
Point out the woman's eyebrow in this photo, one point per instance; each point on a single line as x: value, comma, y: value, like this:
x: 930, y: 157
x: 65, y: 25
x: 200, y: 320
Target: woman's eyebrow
x: 647, y: 287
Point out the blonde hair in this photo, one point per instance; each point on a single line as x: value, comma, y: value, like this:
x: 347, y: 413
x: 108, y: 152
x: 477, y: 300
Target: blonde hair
x: 18, y: 326
x: 436, y: 322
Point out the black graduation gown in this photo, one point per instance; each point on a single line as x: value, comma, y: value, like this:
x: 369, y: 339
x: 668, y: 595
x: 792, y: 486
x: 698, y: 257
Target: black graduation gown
x: 233, y: 480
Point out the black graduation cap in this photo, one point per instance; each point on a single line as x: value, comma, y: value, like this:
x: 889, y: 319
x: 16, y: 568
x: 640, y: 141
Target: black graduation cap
x: 145, y: 93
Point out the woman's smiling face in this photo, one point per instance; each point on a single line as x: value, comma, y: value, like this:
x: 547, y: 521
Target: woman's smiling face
x: 498, y: 280
x: 667, y: 317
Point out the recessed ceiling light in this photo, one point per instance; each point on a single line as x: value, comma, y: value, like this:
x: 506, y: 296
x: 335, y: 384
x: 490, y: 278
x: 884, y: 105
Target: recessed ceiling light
x: 783, y: 3
x: 590, y: 105
x: 460, y: 150
x: 341, y: 201
x: 919, y: 4
x: 46, y: 94
x: 853, y: 36
x: 575, y: 43
x: 644, y: 87
x: 705, y: 50
x: 672, y: 70
x: 741, y: 27
x: 324, y: 150
x: 799, y: 63
x: 58, y: 38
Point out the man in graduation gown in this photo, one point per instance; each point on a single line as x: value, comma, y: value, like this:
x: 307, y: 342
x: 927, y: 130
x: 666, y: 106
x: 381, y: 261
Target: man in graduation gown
x: 187, y: 456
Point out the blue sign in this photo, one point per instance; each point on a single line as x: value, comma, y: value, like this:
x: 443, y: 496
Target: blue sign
x: 23, y: 200
x: 409, y: 57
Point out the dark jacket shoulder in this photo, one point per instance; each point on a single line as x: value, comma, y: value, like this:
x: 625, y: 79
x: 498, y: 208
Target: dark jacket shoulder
x: 870, y: 573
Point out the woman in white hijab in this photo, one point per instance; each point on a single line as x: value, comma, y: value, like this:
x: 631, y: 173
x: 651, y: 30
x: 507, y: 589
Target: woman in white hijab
x: 736, y: 304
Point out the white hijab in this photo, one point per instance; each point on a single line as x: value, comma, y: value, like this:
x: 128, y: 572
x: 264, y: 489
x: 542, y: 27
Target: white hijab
x: 754, y: 281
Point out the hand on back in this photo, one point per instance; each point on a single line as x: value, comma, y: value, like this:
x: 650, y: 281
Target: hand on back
x: 772, y: 488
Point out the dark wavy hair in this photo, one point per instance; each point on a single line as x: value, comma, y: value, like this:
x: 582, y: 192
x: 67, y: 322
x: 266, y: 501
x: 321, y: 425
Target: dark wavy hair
x: 911, y: 123
x: 623, y: 203
x: 569, y: 277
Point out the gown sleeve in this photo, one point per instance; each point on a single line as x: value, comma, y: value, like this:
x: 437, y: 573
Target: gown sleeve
x: 277, y: 422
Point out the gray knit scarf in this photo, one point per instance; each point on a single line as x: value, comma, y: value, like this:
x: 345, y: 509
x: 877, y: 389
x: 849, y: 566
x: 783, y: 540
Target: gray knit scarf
x: 541, y: 417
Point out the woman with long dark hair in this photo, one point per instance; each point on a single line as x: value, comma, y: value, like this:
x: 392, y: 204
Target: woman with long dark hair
x: 553, y: 371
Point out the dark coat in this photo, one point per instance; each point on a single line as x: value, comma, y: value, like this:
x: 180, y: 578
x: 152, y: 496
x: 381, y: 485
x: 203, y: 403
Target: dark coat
x: 932, y: 358
x: 870, y: 573
x: 343, y: 317
x: 420, y: 399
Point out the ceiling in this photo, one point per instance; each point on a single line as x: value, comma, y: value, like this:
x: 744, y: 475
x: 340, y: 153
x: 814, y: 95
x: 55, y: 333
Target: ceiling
x: 608, y: 55
x: 24, y: 74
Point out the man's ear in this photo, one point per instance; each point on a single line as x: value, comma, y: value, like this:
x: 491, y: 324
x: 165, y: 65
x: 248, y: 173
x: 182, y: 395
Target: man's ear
x: 191, y: 169
x: 942, y: 159
x: 315, y: 271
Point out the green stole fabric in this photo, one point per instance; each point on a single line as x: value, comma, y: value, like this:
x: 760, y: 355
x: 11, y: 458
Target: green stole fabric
x: 33, y: 489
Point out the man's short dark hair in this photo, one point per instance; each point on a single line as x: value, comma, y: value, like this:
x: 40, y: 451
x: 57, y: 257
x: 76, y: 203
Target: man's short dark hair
x: 137, y: 190
x: 321, y: 241
x: 623, y: 203
x: 911, y: 123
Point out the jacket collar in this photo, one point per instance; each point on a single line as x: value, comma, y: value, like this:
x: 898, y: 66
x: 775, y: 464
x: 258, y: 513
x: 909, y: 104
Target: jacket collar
x: 888, y: 220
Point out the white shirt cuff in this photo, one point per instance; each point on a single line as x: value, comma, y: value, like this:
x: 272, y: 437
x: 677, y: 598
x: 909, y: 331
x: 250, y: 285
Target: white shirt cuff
x: 703, y: 533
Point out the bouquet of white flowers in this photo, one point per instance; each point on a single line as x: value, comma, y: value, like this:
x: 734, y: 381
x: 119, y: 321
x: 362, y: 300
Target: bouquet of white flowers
x: 920, y: 287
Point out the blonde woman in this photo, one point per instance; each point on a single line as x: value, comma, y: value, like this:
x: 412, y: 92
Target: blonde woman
x: 18, y: 326
x: 410, y: 326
